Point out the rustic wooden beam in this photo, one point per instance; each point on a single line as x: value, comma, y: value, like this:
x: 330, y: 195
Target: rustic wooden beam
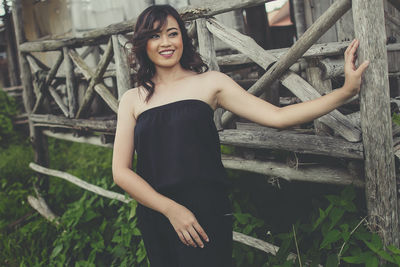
x: 93, y: 140
x: 290, y: 80
x: 100, y: 88
x: 316, y: 174
x: 77, y: 124
x: 302, y: 143
x: 323, y: 86
x: 87, y: 51
x: 81, y: 183
x: 122, y: 67
x: 36, y: 64
x: 40, y: 205
x: 380, y: 175
x: 70, y: 82
x: 317, y: 50
x: 58, y: 101
x: 95, y: 79
x: 207, y: 52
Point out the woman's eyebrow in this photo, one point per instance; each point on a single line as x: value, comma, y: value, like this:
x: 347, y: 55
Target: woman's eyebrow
x: 173, y: 28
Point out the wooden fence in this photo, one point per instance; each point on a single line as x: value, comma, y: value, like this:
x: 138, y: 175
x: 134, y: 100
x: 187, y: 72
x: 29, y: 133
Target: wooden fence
x: 356, y: 134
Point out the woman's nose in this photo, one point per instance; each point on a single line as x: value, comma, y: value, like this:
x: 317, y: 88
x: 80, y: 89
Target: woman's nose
x: 165, y: 40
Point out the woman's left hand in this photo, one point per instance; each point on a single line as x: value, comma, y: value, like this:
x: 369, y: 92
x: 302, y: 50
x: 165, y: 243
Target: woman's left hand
x: 352, y: 74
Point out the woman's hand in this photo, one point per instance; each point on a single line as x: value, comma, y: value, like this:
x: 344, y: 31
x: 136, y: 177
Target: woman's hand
x: 352, y: 74
x: 186, y: 225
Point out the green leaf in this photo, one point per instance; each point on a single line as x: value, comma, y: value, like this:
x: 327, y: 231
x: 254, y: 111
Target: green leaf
x: 372, y: 261
x: 242, y: 218
x: 335, y: 215
x: 332, y: 261
x: 331, y: 237
x: 361, y: 258
x: 376, y: 248
x: 394, y: 249
x: 56, y: 251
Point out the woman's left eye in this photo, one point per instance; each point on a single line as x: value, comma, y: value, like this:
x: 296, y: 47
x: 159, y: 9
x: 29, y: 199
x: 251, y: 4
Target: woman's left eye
x: 173, y: 34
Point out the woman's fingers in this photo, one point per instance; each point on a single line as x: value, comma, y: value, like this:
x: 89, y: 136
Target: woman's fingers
x: 201, y: 231
x: 182, y: 238
x: 189, y: 238
x: 195, y: 236
x: 362, y: 67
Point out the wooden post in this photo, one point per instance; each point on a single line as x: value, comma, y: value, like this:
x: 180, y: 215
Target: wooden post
x: 39, y: 141
x: 122, y: 67
x: 376, y: 124
x: 314, y: 77
x: 71, y: 84
x: 207, y: 52
x: 12, y: 59
x: 299, y: 17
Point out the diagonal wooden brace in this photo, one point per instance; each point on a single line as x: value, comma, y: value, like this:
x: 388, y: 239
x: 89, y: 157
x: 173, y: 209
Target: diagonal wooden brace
x: 95, y: 78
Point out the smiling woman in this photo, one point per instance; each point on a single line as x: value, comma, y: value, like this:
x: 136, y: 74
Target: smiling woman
x: 180, y: 182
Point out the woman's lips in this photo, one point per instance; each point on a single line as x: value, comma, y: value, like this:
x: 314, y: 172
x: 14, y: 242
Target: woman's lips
x: 167, y: 54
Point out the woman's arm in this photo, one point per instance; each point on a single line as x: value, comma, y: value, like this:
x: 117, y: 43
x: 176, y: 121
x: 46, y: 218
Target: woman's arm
x: 237, y: 100
x: 182, y: 219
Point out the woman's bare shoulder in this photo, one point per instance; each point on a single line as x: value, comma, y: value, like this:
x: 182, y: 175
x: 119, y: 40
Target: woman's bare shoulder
x: 131, y: 99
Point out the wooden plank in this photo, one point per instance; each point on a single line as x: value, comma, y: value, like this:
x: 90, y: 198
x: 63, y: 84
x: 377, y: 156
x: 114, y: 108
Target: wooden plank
x: 380, y: 175
x: 316, y: 174
x: 293, y: 82
x: 302, y: 143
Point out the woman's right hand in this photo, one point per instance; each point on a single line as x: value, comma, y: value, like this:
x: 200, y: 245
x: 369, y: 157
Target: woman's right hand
x: 186, y: 225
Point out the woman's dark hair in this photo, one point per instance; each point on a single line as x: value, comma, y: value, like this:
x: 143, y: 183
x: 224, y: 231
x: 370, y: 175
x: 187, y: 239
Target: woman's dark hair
x: 190, y: 59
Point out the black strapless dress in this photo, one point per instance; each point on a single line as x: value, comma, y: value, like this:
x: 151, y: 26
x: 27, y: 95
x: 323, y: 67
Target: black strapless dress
x: 178, y: 154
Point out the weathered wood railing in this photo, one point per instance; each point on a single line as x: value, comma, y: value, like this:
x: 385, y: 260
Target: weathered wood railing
x: 277, y: 63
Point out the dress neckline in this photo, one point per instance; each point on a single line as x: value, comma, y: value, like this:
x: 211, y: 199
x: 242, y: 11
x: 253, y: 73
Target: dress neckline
x: 164, y: 106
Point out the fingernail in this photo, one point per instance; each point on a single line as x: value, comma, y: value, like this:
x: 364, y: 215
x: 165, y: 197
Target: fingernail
x: 208, y: 240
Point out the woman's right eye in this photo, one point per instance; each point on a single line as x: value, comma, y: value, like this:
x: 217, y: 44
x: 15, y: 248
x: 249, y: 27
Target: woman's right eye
x: 154, y: 36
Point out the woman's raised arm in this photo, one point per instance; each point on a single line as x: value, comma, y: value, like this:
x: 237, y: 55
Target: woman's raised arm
x: 237, y: 100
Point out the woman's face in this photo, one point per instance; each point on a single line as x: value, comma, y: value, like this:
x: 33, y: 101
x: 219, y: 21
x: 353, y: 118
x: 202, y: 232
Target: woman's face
x: 165, y: 48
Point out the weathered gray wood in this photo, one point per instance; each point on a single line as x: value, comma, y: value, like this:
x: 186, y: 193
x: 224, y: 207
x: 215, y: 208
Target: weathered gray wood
x: 41, y: 206
x: 93, y: 140
x: 77, y: 124
x: 345, y: 27
x: 100, y: 88
x: 318, y: 8
x: 314, y: 77
x: 12, y: 53
x: 293, y: 82
x: 302, y: 143
x: 35, y: 63
x: 79, y: 182
x: 98, y: 36
x: 71, y: 83
x: 317, y: 50
x: 299, y: 17
x: 207, y: 52
x: 380, y: 176
x: 58, y: 100
x: 331, y: 67
x: 95, y: 79
x: 122, y: 67
x: 87, y: 51
x: 316, y: 174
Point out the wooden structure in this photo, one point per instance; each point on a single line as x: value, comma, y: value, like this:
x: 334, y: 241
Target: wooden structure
x: 67, y: 117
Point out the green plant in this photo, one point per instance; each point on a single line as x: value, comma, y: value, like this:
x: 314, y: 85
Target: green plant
x: 335, y: 236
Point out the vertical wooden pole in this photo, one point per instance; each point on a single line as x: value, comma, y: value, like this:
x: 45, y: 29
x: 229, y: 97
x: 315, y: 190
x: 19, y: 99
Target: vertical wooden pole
x: 12, y: 58
x: 39, y: 141
x: 376, y: 124
x: 314, y: 77
x: 71, y: 84
x: 121, y: 67
x: 207, y: 52
x: 299, y: 17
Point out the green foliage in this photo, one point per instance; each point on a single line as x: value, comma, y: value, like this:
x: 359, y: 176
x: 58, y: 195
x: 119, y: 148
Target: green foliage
x: 396, y: 118
x: 8, y: 109
x: 336, y: 235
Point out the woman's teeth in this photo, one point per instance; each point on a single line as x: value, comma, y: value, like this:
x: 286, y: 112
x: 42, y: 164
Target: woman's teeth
x: 166, y: 52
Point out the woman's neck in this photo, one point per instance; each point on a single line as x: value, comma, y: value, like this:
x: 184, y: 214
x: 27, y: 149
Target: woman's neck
x: 168, y: 75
